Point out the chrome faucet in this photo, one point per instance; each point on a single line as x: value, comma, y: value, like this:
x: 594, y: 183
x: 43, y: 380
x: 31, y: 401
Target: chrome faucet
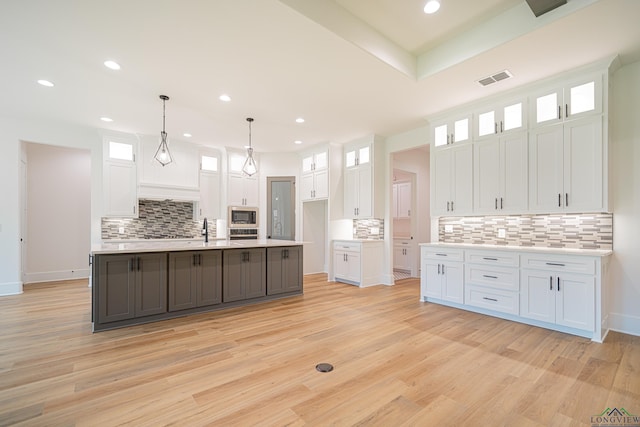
x: 205, y: 230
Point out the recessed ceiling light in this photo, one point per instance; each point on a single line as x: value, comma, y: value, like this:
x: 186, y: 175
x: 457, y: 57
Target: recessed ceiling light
x: 224, y: 97
x: 106, y: 119
x: 46, y: 83
x: 112, y: 64
x: 297, y: 142
x: 299, y: 120
x: 432, y: 6
x: 187, y: 135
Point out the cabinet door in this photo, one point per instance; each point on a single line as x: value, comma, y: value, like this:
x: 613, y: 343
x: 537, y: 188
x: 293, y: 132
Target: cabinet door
x: 209, y: 195
x: 537, y: 296
x: 442, y: 182
x: 209, y: 289
x: 255, y: 273
x: 514, y: 173
x: 151, y: 284
x: 353, y: 266
x: 547, y: 107
x: 182, y: 280
x: 546, y: 169
x: 365, y: 192
x: 404, y: 200
x: 293, y: 269
x: 284, y: 272
x: 251, y: 185
x: 583, y: 97
x: 394, y: 200
x: 351, y: 182
x: 116, y: 288
x: 462, y: 202
x: 487, y: 176
x: 583, y: 182
x: 432, y: 283
x: 575, y: 301
x: 321, y: 184
x: 233, y: 275
x: 340, y: 265
x: 120, y: 183
x: 306, y: 188
x: 236, y: 196
x: 452, y: 282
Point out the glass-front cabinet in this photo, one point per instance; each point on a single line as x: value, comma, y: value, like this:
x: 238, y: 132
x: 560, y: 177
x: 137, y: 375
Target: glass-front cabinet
x: 500, y: 119
x: 454, y: 130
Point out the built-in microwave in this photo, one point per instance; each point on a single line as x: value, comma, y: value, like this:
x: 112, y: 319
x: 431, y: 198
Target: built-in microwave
x: 242, y: 217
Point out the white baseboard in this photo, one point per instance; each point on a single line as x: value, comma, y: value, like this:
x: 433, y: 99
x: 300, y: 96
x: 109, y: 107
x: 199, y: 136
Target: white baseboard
x: 51, y: 276
x: 10, y: 288
x: 625, y: 323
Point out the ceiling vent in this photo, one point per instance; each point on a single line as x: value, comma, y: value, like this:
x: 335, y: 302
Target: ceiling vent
x: 540, y: 7
x: 502, y: 75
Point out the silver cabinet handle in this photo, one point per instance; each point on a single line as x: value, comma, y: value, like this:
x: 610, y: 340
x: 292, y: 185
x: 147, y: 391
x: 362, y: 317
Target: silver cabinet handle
x: 489, y: 277
x: 452, y: 206
x: 442, y: 255
x: 448, y: 206
x: 490, y: 259
x: 442, y: 268
x: 490, y: 299
x: 495, y: 127
x: 501, y: 127
x: 557, y: 264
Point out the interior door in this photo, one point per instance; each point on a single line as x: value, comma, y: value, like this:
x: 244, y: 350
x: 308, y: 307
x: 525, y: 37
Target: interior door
x: 281, y: 218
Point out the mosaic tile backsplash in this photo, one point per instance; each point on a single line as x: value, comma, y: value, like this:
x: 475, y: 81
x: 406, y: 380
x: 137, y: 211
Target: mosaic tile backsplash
x: 580, y: 231
x: 157, y: 219
x: 372, y: 229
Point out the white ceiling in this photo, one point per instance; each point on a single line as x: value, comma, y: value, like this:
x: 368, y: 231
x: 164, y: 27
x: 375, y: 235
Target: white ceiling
x: 349, y: 67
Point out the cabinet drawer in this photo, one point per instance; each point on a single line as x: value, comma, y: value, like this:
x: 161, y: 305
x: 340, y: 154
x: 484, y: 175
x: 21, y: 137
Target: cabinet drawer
x: 443, y: 254
x: 505, y: 259
x: 495, y: 277
x: 492, y: 299
x: 346, y: 246
x: 559, y: 263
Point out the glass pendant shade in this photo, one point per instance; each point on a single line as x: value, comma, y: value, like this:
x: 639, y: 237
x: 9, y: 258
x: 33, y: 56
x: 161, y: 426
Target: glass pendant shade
x: 250, y: 167
x: 162, y: 154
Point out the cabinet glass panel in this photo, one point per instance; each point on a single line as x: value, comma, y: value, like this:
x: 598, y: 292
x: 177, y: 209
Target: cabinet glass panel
x: 351, y: 158
x: 547, y: 108
x: 486, y: 123
x: 209, y: 163
x: 364, y: 156
x: 583, y: 98
x: 321, y: 160
x: 440, y: 135
x: 307, y: 164
x: 235, y: 163
x: 461, y: 130
x: 120, y: 151
x: 512, y: 116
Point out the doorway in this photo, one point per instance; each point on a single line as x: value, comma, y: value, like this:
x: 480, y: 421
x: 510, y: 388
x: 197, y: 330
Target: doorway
x: 281, y: 212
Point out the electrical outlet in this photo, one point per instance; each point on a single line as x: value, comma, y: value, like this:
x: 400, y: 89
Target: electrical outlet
x: 502, y: 233
x: 448, y: 228
x: 121, y: 230
x: 374, y: 230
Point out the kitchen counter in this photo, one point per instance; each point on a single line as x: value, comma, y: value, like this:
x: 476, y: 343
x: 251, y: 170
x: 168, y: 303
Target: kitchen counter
x: 531, y: 249
x: 170, y: 245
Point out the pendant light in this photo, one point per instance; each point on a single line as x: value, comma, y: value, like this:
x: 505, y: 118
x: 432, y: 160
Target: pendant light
x: 250, y: 167
x: 162, y: 154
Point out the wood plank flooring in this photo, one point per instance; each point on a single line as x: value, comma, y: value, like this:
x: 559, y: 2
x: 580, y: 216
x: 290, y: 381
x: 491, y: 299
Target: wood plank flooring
x: 397, y: 361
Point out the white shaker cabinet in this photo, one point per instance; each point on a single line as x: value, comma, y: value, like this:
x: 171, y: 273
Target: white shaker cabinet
x: 566, y: 167
x: 315, y: 175
x: 500, y: 119
x: 210, y: 200
x: 242, y: 189
x: 120, y: 177
x: 500, y: 174
x: 452, y: 183
x: 358, y: 262
x: 442, y: 274
x: 452, y: 130
x: 363, y: 180
x: 401, y: 193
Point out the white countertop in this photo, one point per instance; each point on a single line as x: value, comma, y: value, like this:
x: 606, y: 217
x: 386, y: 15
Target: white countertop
x: 359, y: 240
x: 531, y: 249
x: 169, y: 245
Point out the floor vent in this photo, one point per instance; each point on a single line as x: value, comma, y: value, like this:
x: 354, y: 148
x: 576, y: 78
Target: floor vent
x: 502, y: 75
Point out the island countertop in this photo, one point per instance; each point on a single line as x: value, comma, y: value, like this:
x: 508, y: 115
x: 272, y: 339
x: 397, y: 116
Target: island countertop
x: 189, y: 245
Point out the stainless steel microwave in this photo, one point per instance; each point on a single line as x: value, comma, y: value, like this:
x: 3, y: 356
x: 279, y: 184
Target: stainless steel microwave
x: 242, y: 217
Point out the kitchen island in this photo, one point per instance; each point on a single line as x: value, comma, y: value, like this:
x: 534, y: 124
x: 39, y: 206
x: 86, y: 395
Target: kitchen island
x: 141, y: 282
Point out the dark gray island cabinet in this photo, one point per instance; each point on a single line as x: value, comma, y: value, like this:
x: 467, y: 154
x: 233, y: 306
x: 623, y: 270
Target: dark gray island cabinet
x: 141, y: 286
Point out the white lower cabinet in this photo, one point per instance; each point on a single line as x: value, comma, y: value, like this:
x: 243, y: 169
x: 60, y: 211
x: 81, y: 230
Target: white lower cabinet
x: 358, y: 262
x: 567, y: 293
x: 442, y: 275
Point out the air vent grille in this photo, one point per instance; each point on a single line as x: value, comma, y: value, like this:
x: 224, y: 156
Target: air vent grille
x: 502, y: 75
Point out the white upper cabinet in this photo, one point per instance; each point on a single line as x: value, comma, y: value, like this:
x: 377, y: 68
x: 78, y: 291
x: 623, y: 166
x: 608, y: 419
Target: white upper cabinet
x: 315, y: 175
x: 451, y: 130
x: 452, y: 183
x: 500, y: 174
x: 567, y: 102
x: 120, y: 177
x: 566, y: 167
x: 210, y: 197
x: 363, y: 181
x: 401, y: 203
x: 499, y: 119
x: 242, y: 189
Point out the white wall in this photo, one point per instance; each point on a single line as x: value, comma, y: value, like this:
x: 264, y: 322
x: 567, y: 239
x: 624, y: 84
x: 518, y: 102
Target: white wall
x: 14, y: 132
x: 625, y: 180
x: 58, y: 236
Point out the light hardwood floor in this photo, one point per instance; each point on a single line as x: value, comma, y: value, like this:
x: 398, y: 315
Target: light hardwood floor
x: 397, y: 361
